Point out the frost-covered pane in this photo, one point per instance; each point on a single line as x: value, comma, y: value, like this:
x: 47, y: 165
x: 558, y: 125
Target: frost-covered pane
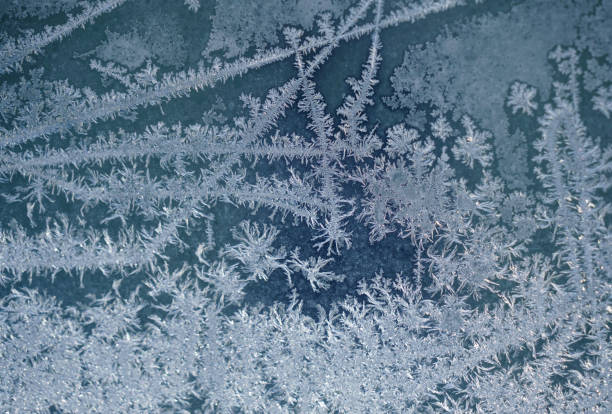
x: 331, y: 206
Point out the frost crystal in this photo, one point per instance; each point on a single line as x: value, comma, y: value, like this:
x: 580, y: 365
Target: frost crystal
x: 212, y: 207
x: 521, y: 98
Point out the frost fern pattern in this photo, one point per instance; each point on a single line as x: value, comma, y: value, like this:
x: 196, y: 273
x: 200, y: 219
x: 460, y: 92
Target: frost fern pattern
x: 260, y: 208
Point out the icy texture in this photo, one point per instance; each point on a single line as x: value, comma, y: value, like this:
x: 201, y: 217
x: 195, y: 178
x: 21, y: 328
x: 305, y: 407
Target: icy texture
x: 291, y: 206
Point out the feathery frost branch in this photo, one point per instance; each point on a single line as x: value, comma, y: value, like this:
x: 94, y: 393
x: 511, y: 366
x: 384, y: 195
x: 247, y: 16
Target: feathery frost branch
x: 14, y: 51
